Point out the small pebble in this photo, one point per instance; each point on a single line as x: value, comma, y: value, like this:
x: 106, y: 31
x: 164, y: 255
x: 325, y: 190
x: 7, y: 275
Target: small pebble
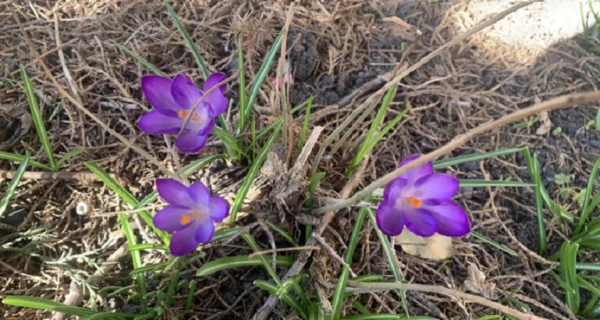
x: 82, y: 209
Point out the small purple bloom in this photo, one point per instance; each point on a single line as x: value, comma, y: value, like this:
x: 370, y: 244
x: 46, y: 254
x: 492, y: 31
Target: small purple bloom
x: 173, y: 100
x: 191, y: 214
x: 422, y: 201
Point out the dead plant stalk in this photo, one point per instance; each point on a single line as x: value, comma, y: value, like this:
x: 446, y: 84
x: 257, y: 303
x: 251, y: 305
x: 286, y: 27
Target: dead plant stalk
x: 364, y: 287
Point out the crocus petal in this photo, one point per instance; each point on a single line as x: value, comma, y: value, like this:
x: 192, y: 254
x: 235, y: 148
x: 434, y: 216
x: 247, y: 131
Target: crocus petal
x: 190, y: 142
x: 215, y: 79
x: 169, y: 218
x: 389, y: 220
x: 452, y: 220
x: 185, y: 92
x: 420, y: 222
x: 157, y: 90
x: 217, y: 101
x: 393, y: 190
x: 174, y: 192
x: 160, y: 122
x: 205, y: 231
x: 415, y: 174
x: 184, y: 240
x: 208, y: 127
x: 219, y: 208
x: 437, y: 187
x: 199, y: 193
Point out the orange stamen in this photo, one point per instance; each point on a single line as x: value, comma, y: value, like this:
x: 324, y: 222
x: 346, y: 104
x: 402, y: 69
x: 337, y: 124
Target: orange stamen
x: 414, y: 202
x: 185, y: 220
x: 182, y: 114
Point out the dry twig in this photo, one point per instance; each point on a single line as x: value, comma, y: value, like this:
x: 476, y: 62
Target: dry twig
x: 355, y: 286
x: 80, y: 177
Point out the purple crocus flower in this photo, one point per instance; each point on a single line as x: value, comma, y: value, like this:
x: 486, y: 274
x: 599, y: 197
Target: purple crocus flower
x: 191, y: 214
x: 422, y: 201
x: 173, y: 100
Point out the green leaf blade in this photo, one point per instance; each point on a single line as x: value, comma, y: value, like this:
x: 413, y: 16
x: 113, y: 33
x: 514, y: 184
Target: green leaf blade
x: 256, y: 165
x: 473, y: 157
x: 19, y: 158
x: 188, y: 41
x: 227, y: 263
x: 127, y: 197
x: 12, y: 186
x: 340, y: 289
x: 38, y: 120
x: 258, y: 81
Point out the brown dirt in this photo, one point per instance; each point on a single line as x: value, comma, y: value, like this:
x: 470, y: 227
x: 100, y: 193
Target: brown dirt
x: 334, y: 49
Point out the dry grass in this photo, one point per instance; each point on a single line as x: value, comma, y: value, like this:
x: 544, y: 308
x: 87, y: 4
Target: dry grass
x: 334, y: 49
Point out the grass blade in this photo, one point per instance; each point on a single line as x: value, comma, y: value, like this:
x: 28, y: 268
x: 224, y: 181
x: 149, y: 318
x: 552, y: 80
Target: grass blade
x: 312, y: 188
x: 283, y: 295
x: 258, y: 81
x: 188, y: 41
x: 228, y: 140
x: 149, y: 267
x: 371, y: 144
x: 45, y: 304
x: 588, y: 193
x: 597, y: 118
x: 337, y: 302
x: 387, y: 99
x: 493, y: 243
x: 136, y: 256
x: 38, y: 120
x: 539, y: 207
x: 360, y: 307
x: 141, y: 60
x: 584, y: 284
x: 12, y: 186
x: 148, y: 246
x: 19, y: 158
x: 385, y: 316
x: 127, y: 197
x: 171, y: 288
x: 538, y: 203
x: 283, y: 233
x: 192, y: 292
x: 240, y: 262
x: 196, y: 165
x: 568, y: 274
x: 391, y: 257
x: 533, y: 166
x: 475, y: 183
x: 252, y: 243
x: 473, y: 157
x: 554, y: 208
x: 305, y: 124
x: 587, y: 266
x: 256, y: 165
x: 386, y: 129
x: 371, y: 139
x: 243, y: 103
x: 69, y: 155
